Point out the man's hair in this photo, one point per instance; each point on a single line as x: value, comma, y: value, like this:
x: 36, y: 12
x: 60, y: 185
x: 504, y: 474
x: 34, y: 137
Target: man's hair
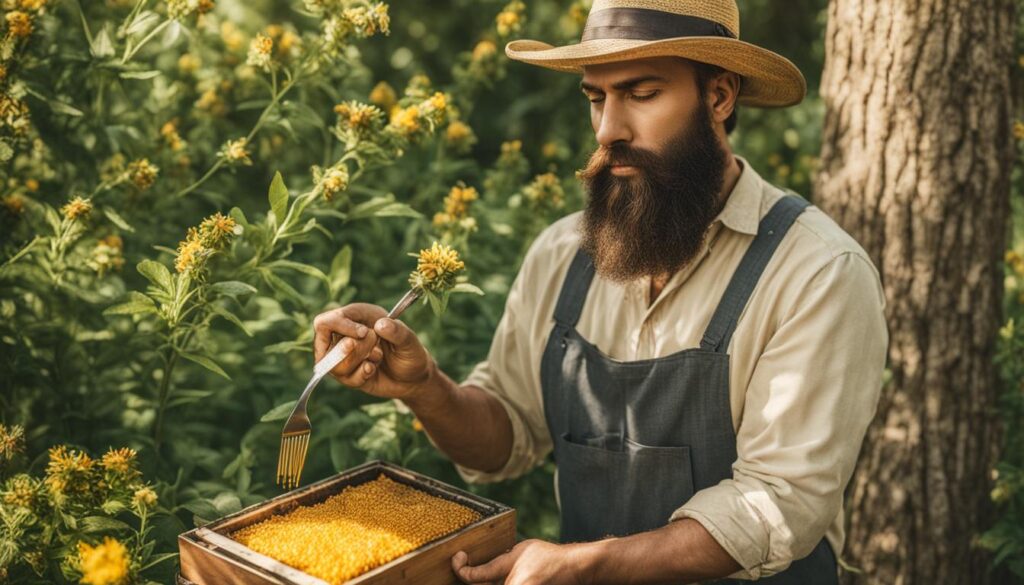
x: 705, y: 73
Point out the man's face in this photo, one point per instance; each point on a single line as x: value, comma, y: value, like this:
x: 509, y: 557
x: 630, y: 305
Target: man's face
x: 654, y: 181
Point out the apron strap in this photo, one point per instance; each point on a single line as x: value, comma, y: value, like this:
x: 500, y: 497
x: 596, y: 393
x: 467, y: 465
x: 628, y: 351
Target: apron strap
x: 769, y: 234
x: 574, y: 290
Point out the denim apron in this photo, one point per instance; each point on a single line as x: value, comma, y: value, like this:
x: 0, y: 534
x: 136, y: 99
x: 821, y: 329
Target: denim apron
x: 634, y: 440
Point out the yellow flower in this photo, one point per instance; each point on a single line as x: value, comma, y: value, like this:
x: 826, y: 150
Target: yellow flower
x: 182, y: 8
x: 21, y: 490
x: 76, y: 208
x: 107, y: 255
x: 459, y: 135
x: 32, y: 185
x: 215, y: 231
x: 14, y: 113
x: 171, y: 137
x: 259, y: 52
x: 189, y: 63
x: 12, y: 441
x: 14, y: 204
x: 142, y: 173
x: 19, y: 24
x: 235, y: 152
x: 1020, y: 61
x: 3, y: 73
x: 144, y: 498
x: 103, y: 564
x: 510, y: 20
x: 360, y: 118
x: 119, y: 460
x: 436, y: 268
x: 383, y: 95
x: 456, y: 204
x: 419, y: 86
x: 407, y: 120
x: 1018, y: 130
x: 416, y: 424
x: 484, y: 50
x: 368, y: 21
x: 211, y: 102
x: 191, y: 253
x: 545, y: 190
x: 550, y: 150
x: 334, y: 181
x: 69, y: 473
x: 32, y: 5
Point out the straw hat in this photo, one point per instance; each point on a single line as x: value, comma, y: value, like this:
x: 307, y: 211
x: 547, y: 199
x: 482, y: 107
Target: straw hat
x: 700, y: 30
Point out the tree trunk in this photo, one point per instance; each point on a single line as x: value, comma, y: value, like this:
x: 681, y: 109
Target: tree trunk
x: 916, y: 161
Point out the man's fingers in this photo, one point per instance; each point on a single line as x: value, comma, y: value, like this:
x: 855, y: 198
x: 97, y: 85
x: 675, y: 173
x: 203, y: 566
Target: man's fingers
x: 337, y: 321
x: 356, y: 351
x: 394, y: 332
x: 494, y: 571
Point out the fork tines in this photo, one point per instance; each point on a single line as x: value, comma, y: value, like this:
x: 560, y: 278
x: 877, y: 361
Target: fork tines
x: 292, y: 458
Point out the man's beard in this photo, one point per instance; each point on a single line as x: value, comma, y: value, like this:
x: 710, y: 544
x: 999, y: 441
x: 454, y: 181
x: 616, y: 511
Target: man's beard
x: 654, y: 221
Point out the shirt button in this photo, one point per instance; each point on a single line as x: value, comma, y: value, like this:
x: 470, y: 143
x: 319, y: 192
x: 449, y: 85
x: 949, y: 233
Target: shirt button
x: 563, y: 344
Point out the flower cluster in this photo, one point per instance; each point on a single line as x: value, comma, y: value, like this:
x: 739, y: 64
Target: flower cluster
x: 213, y: 235
x: 235, y: 152
x: 181, y: 9
x: 107, y: 255
x: 511, y: 18
x: 383, y: 96
x: 142, y: 173
x: 107, y: 563
x: 456, y: 209
x: 12, y: 443
x: 414, y: 121
x: 357, y: 121
x: 260, y: 50
x: 459, y: 136
x: 359, y: 21
x: 545, y: 191
x: 332, y: 181
x: 76, y: 208
x: 436, y: 268
x: 173, y: 140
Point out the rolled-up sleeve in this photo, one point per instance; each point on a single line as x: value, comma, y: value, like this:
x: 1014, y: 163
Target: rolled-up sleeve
x: 808, y: 404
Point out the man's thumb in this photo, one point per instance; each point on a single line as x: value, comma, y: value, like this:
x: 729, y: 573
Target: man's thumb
x: 394, y: 332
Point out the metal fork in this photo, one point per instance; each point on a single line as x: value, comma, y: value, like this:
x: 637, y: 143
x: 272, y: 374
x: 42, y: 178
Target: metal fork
x: 295, y: 435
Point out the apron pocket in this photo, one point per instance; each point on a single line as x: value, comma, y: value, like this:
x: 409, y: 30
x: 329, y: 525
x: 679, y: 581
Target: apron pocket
x: 619, y: 492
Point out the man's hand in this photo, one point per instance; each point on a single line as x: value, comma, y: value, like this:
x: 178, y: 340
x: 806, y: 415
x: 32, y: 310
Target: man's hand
x: 394, y: 369
x: 530, y: 562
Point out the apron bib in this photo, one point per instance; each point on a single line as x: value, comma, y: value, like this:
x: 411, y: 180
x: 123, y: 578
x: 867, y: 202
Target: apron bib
x: 633, y: 441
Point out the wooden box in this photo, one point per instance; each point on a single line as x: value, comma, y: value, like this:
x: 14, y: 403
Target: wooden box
x: 209, y: 557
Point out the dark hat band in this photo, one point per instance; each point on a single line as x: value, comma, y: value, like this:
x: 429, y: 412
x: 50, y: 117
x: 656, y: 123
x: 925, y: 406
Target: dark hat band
x: 649, y: 25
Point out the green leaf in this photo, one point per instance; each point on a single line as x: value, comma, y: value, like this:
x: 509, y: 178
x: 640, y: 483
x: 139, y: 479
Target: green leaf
x: 465, y: 287
x: 206, y: 362
x: 101, y: 524
x: 278, y: 198
x: 233, y: 288
x: 239, y: 217
x: 158, y: 274
x: 287, y: 346
x: 117, y: 220
x: 228, y: 315
x: 202, y: 507
x: 384, y: 206
x: 303, y: 268
x: 157, y: 559
x: 140, y: 74
x: 281, y: 287
x: 279, y: 412
x: 341, y: 270
x: 137, y: 303
x: 102, y: 46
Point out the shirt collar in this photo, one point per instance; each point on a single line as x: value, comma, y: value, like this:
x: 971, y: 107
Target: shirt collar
x: 742, y: 211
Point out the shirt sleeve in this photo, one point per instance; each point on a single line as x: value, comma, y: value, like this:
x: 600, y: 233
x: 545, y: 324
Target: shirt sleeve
x: 511, y: 374
x: 810, y: 399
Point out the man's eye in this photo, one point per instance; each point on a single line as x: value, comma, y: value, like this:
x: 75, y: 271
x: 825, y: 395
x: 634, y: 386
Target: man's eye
x: 595, y: 100
x: 644, y: 98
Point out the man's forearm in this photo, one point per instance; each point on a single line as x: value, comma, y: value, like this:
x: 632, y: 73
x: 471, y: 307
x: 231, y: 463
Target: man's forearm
x: 466, y: 423
x: 681, y: 552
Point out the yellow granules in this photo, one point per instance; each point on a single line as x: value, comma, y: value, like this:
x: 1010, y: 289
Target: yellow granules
x: 357, y: 530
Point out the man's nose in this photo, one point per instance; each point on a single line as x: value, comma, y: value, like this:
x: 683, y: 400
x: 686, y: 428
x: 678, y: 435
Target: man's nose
x: 612, y: 125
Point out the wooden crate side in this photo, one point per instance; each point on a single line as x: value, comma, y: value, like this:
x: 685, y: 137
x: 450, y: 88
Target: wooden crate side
x: 432, y: 565
x: 202, y: 565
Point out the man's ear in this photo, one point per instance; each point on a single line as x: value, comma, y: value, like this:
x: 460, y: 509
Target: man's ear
x: 725, y: 90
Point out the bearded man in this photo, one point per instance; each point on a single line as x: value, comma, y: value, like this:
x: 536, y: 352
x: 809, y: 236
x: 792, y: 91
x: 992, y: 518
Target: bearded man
x: 701, y: 350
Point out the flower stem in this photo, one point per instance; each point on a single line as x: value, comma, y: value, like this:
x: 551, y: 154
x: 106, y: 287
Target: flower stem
x: 128, y: 54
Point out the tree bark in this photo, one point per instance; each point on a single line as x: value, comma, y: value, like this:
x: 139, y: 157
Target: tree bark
x: 916, y: 161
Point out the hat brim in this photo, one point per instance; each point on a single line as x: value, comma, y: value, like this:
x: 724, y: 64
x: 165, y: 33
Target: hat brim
x: 769, y: 79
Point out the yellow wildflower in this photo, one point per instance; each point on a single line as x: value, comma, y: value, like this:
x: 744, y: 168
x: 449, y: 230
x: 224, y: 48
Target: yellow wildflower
x: 407, y: 120
x: 14, y: 113
x: 21, y: 490
x: 334, y: 181
x: 211, y: 102
x: 235, y: 152
x: 182, y: 8
x: 69, y: 473
x: 232, y: 37
x: 259, y: 52
x: 32, y: 185
x: 367, y: 21
x: 107, y: 255
x: 436, y: 268
x: 19, y: 24
x: 14, y: 204
x: 215, y: 231
x: 511, y: 153
x: 484, y: 50
x: 459, y: 135
x: 550, y: 150
x: 142, y: 173
x: 119, y: 460
x: 456, y: 204
x: 360, y: 118
x: 3, y: 73
x: 416, y: 424
x: 32, y: 5
x: 103, y: 564
x: 419, y: 86
x: 383, y: 95
x: 191, y: 253
x: 510, y: 20
x: 169, y: 131
x: 545, y: 190
x: 144, y: 498
x: 12, y: 441
x: 1015, y: 261
x: 189, y: 63
x: 76, y: 208
x: 1018, y: 130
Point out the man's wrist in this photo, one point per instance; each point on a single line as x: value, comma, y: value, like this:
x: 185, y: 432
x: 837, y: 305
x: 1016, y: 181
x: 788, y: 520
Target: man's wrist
x: 429, y: 394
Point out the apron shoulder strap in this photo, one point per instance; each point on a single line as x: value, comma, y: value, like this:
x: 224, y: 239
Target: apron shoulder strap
x: 574, y: 290
x: 770, y: 231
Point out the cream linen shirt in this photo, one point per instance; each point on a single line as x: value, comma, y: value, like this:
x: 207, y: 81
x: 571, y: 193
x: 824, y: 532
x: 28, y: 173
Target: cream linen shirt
x: 806, y: 363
